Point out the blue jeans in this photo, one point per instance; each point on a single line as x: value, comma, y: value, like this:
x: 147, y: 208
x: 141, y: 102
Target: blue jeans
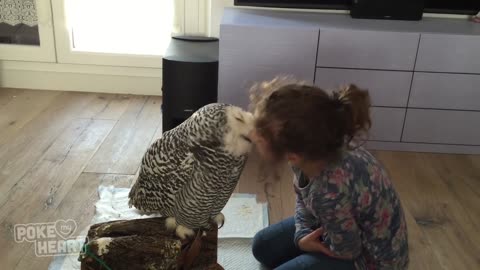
x: 274, y: 247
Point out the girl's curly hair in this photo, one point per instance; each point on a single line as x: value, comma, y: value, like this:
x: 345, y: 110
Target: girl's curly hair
x: 299, y: 118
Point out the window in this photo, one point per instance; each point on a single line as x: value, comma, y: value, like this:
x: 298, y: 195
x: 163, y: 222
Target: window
x: 141, y: 27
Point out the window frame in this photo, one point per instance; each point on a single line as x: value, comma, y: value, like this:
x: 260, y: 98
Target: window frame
x: 67, y: 55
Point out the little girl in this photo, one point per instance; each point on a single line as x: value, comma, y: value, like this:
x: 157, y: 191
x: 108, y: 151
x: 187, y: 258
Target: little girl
x: 348, y: 215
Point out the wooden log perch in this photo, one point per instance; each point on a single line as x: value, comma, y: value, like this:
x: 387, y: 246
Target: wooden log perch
x: 146, y: 244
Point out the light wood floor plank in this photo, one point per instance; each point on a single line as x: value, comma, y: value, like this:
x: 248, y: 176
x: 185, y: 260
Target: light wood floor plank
x: 41, y: 190
x: 422, y: 256
x: 54, y: 154
x: 449, y: 228
x: 20, y: 153
x: 79, y: 205
x: 463, y: 187
x: 106, y: 106
x: 8, y: 94
x: 264, y: 181
x: 287, y: 196
x: 20, y: 110
x: 125, y: 146
x: 158, y: 133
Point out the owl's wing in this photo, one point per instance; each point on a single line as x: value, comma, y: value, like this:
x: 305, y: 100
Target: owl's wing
x: 195, y: 199
x: 213, y: 178
x: 234, y: 167
x: 161, y: 176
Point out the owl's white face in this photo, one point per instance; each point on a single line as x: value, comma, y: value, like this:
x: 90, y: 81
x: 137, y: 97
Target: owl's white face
x: 237, y: 140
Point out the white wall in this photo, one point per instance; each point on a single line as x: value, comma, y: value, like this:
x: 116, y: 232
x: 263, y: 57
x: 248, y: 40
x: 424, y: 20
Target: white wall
x: 83, y: 78
x: 216, y: 13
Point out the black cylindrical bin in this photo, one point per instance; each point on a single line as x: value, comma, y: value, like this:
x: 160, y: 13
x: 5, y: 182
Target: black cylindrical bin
x: 190, y: 78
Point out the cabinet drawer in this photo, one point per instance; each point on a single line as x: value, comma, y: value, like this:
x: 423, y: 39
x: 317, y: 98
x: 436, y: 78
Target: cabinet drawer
x: 386, y: 88
x: 387, y: 124
x: 449, y: 53
x: 448, y: 127
x: 445, y: 91
x: 367, y: 49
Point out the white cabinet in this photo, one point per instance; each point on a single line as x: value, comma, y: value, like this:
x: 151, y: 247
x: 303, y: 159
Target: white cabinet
x: 387, y: 124
x: 442, y: 126
x: 386, y: 88
x: 445, y: 91
x: 449, y: 53
x: 423, y: 77
x: 263, y: 54
x: 367, y: 49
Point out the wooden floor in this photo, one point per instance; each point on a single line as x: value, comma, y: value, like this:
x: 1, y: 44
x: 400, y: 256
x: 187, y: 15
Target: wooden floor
x: 57, y: 147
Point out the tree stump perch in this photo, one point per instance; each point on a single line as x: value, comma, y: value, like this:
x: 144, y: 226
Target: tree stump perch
x: 146, y: 244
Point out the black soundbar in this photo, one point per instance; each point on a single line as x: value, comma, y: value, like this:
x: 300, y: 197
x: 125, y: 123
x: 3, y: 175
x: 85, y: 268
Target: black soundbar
x: 388, y: 9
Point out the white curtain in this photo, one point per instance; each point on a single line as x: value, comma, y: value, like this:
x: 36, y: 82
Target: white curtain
x: 14, y: 12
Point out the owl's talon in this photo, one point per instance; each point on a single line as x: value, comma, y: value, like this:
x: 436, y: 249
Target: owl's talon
x: 171, y: 224
x: 219, y: 220
x: 184, y: 232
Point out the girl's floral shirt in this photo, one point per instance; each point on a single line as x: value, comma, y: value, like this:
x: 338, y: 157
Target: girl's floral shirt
x: 355, y: 203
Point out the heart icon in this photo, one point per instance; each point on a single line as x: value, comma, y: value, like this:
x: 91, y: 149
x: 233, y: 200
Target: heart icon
x: 65, y: 228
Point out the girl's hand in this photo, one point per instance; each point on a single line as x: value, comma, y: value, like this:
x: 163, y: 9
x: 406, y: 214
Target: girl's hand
x: 312, y: 243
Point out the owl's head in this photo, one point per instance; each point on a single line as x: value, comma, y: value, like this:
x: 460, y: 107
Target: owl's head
x: 239, y: 125
x: 219, y: 125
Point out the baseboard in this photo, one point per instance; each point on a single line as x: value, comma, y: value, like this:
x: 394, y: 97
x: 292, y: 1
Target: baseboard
x: 422, y: 147
x: 82, y: 78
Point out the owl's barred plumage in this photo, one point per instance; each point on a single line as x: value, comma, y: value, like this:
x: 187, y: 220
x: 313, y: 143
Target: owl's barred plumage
x: 192, y: 170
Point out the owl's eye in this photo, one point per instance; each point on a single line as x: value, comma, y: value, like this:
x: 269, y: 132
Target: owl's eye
x: 240, y: 119
x: 246, y: 138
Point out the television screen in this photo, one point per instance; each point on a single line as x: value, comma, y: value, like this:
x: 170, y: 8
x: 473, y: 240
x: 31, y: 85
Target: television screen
x: 433, y: 6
